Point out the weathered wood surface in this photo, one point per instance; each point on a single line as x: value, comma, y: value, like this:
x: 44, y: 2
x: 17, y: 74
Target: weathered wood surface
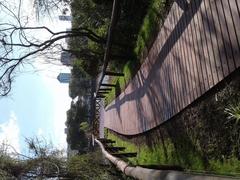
x: 195, y: 49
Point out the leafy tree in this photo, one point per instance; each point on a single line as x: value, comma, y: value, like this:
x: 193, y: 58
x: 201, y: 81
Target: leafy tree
x: 43, y: 161
x: 18, y: 44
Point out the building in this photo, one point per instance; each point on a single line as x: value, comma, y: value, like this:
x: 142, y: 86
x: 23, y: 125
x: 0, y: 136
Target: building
x: 64, y: 77
x: 65, y: 18
x: 67, y: 58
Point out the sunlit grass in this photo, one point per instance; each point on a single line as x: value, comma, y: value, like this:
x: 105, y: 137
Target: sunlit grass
x: 129, y: 70
x: 154, y: 17
x: 188, y: 159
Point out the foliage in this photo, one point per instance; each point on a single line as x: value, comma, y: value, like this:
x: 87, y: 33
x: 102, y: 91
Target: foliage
x: 45, y: 7
x: 43, y: 161
x: 19, y: 43
x: 129, y: 70
x: 93, y: 166
x: 46, y: 162
x: 233, y: 112
x: 76, y: 137
x: 151, y: 24
x: 80, y: 83
x: 84, y: 126
x: 94, y: 16
x: 87, y: 166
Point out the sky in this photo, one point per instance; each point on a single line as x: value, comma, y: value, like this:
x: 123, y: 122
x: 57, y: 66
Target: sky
x: 38, y: 103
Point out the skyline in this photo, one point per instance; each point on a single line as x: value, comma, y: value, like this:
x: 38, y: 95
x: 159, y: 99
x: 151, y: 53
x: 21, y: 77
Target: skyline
x: 37, y: 104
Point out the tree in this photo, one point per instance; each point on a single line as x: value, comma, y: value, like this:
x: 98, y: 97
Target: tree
x: 46, y: 162
x: 19, y: 44
x: 43, y: 161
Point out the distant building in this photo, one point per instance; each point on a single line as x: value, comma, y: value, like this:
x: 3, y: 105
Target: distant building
x: 67, y: 58
x: 65, y: 18
x: 64, y: 77
x: 66, y: 130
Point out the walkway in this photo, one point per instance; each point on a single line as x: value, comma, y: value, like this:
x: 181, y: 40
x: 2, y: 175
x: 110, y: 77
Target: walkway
x: 196, y: 48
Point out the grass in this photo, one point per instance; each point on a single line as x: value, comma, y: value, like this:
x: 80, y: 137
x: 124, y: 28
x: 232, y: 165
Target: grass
x: 187, y: 158
x: 154, y: 17
x: 129, y: 70
x: 92, y: 166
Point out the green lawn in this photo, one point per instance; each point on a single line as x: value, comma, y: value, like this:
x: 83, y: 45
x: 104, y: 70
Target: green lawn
x: 186, y: 157
x: 129, y: 70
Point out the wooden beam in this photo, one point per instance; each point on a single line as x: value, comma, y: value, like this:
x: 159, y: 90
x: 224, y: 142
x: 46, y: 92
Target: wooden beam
x: 104, y: 140
x: 100, y: 96
x: 108, y: 73
x: 108, y: 85
x: 105, y: 89
x: 114, y: 149
x: 120, y: 155
x: 102, y: 92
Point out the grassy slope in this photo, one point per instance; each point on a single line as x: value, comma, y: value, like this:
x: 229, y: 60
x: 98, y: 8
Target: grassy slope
x: 167, y: 155
x: 151, y: 23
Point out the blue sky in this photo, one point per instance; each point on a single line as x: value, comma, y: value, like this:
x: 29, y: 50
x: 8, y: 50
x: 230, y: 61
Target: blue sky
x: 36, y: 107
x: 38, y: 103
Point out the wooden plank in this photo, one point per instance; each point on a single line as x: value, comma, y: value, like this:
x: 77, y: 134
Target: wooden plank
x: 166, y: 73
x: 188, y: 67
x: 180, y: 60
x: 233, y: 24
x: 212, y: 37
x: 192, y: 63
x: 176, y: 62
x: 171, y: 72
x: 200, y: 87
x: 174, y: 72
x: 189, y: 96
x: 205, y: 50
x: 226, y: 36
x: 200, y: 52
x: 219, y: 37
x: 208, y: 44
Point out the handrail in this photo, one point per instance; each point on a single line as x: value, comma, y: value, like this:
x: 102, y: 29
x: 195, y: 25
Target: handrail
x: 113, y: 22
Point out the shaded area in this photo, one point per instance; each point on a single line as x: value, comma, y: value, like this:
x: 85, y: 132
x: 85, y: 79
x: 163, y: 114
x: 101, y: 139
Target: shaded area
x: 192, y: 53
x: 200, y: 137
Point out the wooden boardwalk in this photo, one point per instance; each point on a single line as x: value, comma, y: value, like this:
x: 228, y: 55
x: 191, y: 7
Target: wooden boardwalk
x: 197, y: 47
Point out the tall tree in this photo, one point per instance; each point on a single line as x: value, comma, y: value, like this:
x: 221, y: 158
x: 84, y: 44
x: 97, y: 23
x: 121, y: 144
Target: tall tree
x: 19, y: 43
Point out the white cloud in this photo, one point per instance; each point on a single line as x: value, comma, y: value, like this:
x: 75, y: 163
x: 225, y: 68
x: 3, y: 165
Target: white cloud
x: 9, y: 132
